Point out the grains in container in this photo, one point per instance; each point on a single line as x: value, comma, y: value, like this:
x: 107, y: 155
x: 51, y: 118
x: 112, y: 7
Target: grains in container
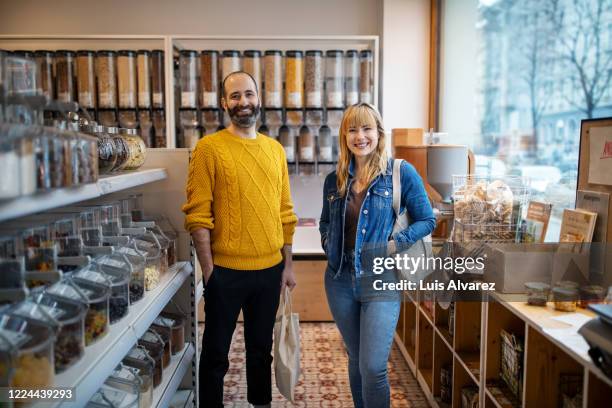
x: 106, y: 74
x: 209, y: 79
x: 294, y: 79
x: 65, y: 72
x: 273, y: 81
x: 143, y: 67
x: 251, y: 64
x: 313, y: 82
x: 158, y: 79
x: 126, y: 79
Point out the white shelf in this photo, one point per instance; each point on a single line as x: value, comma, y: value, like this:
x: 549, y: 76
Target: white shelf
x: 182, y: 399
x: 22, y: 206
x: 173, y: 375
x: 89, y: 373
x: 199, y: 292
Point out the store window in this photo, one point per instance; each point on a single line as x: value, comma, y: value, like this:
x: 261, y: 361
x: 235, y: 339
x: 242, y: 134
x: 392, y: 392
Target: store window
x: 516, y: 79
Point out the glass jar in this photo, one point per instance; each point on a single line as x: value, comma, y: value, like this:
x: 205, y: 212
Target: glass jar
x: 306, y: 145
x: 164, y: 243
x: 251, y: 64
x: 86, y: 78
x: 111, y: 397
x: 118, y: 271
x: 139, y: 358
x: 156, y: 352
x: 176, y: 324
x: 126, y: 379
x: 10, y: 187
x: 137, y: 260
x: 313, y: 82
x: 59, y: 159
x: 136, y: 148
x: 65, y: 233
x: 537, y: 293
x: 106, y: 74
x: 273, y: 81
x: 70, y: 335
x: 20, y: 76
x: 107, y: 154
x: 294, y: 79
x: 90, y: 227
x: 165, y: 335
x: 188, y: 71
x: 121, y: 148
x: 44, y: 64
x: 65, y: 73
x: 153, y: 342
x: 33, y: 365
x: 126, y: 79
x: 287, y: 139
x: 334, y: 81
x: 158, y: 78
x: 229, y: 63
x: 366, y: 72
x: 351, y: 77
x: 86, y: 155
x: 110, y: 218
x: 143, y: 68
x: 148, y: 244
x: 159, y: 128
x: 565, y: 298
x: 40, y: 252
x: 97, y: 318
x: 591, y: 294
x: 209, y: 79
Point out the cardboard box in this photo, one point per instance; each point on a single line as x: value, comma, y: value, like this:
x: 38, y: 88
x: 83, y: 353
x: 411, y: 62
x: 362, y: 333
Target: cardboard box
x: 408, y: 137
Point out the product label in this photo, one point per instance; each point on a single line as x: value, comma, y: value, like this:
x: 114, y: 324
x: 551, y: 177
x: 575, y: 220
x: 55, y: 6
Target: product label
x: 86, y: 99
x: 158, y: 99
x: 307, y: 154
x: 209, y: 99
x: 188, y: 99
x: 127, y: 99
x: 334, y: 99
x: 352, y: 98
x: 290, y: 153
x: 314, y: 99
x: 294, y: 99
x: 273, y: 99
x: 325, y: 153
x: 366, y: 97
x: 144, y: 99
x: 64, y: 96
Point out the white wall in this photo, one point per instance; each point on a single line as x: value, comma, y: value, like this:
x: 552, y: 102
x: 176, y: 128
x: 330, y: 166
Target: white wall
x: 405, y: 63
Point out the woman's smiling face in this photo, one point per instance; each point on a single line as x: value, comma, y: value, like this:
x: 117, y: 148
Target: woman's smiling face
x: 362, y: 139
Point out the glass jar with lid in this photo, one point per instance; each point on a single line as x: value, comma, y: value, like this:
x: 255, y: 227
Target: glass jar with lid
x: 106, y: 74
x: 230, y: 63
x: 156, y: 352
x: 164, y: 243
x: 366, y: 79
x: 334, y: 80
x: 65, y: 233
x: 97, y: 293
x: 68, y: 318
x: 251, y: 64
x: 149, y: 244
x: 10, y: 187
x: 273, y: 79
x: 176, y: 324
x: 12, y: 266
x: 44, y: 64
x: 325, y: 145
x: 137, y: 149
x: 166, y: 336
x: 306, y: 145
x: 313, y: 82
x: 90, y: 227
x: 209, y: 79
x: 121, y: 148
x: 111, y: 397
x: 294, y: 79
x: 158, y: 78
x: 287, y: 138
x: 85, y: 159
x: 151, y: 340
x: 40, y: 251
x: 126, y: 379
x: 139, y: 358
x: 86, y: 78
x: 34, y: 360
x: 138, y: 261
x: 126, y: 79
x: 188, y: 63
x: 107, y: 156
x: 65, y: 74
x: 118, y: 271
x: 351, y: 77
x: 143, y: 68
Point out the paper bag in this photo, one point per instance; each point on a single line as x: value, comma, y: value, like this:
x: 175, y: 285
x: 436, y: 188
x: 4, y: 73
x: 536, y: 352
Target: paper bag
x: 286, y: 347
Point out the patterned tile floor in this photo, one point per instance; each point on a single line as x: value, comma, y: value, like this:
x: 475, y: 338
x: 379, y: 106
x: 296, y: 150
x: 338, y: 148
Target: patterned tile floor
x: 324, y: 381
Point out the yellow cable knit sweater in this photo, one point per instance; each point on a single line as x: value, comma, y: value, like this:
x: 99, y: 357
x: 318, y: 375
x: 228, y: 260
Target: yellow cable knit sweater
x: 239, y: 189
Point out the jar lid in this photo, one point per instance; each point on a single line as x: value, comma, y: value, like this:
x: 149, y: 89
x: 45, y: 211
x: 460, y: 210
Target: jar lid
x: 156, y: 52
x: 567, y: 284
x: 273, y: 52
x: 85, y: 53
x: 34, y: 311
x: 537, y: 286
x: 334, y: 53
x: 94, y: 292
x: 65, y: 52
x: 366, y: 53
x: 210, y: 52
x: 90, y: 274
x: 190, y: 53
x: 108, y: 396
x: 106, y: 52
x: 43, y: 53
x: 145, y: 52
x: 65, y: 289
x: 231, y: 53
x: 126, y: 131
x: 71, y: 308
x: 112, y: 130
x: 352, y: 53
x: 294, y: 54
x: 593, y: 289
x: 129, y: 53
x: 565, y: 292
x: 152, y: 337
x: 314, y: 53
x: 252, y: 53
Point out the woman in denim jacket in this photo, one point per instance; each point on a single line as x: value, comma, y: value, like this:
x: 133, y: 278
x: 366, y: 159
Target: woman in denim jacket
x: 357, y: 216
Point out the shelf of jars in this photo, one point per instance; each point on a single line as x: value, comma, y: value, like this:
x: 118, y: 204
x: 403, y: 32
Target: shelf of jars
x: 35, y: 203
x: 164, y: 393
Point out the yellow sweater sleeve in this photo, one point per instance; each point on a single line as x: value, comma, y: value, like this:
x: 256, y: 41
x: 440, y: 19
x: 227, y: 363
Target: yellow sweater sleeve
x: 200, y: 187
x: 288, y: 217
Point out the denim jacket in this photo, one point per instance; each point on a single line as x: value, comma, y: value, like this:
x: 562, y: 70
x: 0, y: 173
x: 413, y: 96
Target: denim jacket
x: 376, y: 217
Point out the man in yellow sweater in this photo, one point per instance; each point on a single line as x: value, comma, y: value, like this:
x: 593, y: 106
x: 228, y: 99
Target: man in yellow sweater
x: 240, y: 215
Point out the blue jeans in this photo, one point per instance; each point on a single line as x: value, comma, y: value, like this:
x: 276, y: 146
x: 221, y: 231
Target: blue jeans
x: 367, y: 328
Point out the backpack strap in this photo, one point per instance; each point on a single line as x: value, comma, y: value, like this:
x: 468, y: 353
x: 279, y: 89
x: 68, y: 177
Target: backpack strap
x: 397, y: 186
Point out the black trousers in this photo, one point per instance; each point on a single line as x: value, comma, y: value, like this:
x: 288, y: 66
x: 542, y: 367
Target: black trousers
x: 257, y: 293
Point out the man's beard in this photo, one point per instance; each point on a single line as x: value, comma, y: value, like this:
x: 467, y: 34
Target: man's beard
x: 244, y: 121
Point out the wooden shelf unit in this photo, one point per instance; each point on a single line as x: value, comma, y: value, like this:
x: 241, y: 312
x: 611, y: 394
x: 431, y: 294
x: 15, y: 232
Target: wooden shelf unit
x: 475, y: 352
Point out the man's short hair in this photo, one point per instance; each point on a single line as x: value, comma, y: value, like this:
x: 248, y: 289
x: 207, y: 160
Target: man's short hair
x: 236, y: 73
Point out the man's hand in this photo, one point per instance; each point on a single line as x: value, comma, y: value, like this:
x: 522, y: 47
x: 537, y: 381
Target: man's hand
x: 288, y: 278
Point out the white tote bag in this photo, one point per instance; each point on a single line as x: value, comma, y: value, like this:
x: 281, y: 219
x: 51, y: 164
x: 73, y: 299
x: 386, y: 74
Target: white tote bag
x: 286, y: 347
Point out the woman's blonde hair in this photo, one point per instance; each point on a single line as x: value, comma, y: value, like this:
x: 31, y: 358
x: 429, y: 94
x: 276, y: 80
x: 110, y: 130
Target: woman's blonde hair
x: 356, y: 116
